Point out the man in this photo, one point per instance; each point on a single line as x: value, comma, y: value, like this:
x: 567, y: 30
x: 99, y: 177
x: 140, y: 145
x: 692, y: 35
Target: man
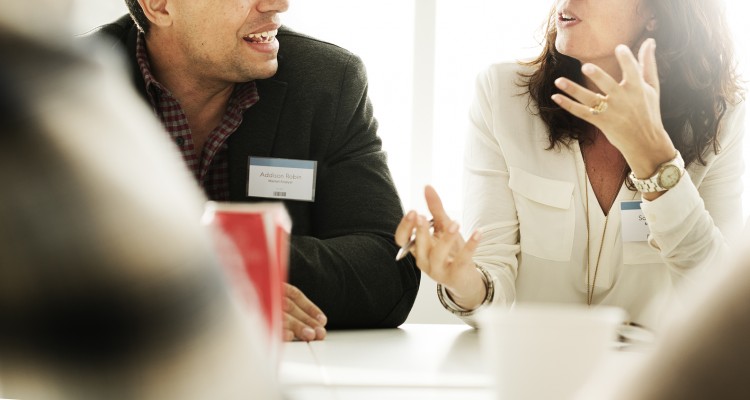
x: 241, y: 95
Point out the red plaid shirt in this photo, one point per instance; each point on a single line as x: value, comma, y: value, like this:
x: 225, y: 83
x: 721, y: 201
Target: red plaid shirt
x: 211, y: 167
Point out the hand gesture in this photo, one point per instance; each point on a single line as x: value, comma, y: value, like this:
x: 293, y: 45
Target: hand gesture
x: 443, y: 254
x: 627, y: 112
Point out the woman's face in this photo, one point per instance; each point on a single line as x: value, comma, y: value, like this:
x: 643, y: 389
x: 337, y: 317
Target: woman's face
x: 589, y: 30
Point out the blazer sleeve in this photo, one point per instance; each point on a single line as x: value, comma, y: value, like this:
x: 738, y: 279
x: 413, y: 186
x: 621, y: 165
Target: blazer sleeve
x: 347, y: 266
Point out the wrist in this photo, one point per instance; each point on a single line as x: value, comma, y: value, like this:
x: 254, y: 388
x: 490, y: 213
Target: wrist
x: 644, y: 167
x: 463, y: 309
x: 471, y: 293
x: 667, y: 175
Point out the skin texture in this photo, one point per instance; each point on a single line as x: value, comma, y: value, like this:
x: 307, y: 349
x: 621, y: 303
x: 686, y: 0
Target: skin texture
x: 599, y: 27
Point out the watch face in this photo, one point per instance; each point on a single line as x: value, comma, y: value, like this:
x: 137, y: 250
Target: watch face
x: 669, y: 176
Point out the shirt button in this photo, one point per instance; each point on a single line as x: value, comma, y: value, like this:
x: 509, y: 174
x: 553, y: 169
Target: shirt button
x: 180, y: 141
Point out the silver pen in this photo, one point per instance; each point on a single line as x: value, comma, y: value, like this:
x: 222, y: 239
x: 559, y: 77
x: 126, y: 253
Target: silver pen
x: 403, y: 251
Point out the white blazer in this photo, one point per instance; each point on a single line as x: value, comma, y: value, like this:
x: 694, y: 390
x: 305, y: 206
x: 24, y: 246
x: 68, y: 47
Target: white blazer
x: 528, y: 203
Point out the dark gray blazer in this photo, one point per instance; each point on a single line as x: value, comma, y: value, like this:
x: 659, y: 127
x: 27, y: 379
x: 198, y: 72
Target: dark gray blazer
x: 316, y: 108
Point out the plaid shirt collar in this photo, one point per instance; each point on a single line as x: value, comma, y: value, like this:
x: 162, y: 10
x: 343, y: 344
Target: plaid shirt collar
x: 210, y: 168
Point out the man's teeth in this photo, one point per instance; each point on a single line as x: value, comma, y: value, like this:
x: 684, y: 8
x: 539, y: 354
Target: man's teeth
x: 262, y: 37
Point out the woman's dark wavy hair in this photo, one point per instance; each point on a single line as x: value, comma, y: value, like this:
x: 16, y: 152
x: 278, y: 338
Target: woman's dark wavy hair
x: 697, y: 73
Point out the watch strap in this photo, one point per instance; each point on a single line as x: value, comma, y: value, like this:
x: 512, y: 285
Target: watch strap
x: 651, y: 184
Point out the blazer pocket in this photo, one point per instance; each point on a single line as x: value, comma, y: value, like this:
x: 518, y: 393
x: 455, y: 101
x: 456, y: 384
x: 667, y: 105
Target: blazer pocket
x: 640, y: 253
x: 546, y: 218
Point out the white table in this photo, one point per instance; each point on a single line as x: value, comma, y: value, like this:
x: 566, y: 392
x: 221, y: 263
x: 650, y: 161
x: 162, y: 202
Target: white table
x: 437, y: 361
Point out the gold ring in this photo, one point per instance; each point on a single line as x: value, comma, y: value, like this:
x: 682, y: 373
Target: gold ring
x: 601, y: 106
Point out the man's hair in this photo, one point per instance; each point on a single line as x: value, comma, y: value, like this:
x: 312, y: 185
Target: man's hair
x: 139, y: 17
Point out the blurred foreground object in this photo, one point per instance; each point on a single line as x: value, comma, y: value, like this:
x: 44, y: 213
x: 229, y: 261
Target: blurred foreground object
x: 558, y: 344
x: 259, y: 238
x: 704, y: 353
x: 109, y: 285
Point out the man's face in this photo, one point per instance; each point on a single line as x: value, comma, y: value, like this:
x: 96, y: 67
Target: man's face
x: 227, y: 40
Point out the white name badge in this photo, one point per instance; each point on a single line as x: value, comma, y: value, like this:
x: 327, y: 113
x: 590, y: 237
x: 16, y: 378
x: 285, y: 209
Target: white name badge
x: 282, y: 178
x: 634, y: 225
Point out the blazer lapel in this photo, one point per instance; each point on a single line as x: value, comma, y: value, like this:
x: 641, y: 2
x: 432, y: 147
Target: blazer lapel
x: 256, y: 135
x: 263, y: 117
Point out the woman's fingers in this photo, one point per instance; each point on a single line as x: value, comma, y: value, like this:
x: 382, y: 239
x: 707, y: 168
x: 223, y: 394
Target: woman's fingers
x: 601, y: 79
x: 632, y: 73
x: 576, y: 91
x: 435, y: 250
x: 579, y: 110
x: 636, y: 74
x: 585, y: 99
x: 405, y: 228
x: 582, y: 100
x: 444, y: 246
x: 424, y: 244
x: 647, y: 60
x: 435, y: 205
x: 642, y: 69
x: 629, y: 114
x: 466, y: 254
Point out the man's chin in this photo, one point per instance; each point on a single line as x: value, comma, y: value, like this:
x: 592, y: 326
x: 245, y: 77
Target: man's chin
x: 262, y: 73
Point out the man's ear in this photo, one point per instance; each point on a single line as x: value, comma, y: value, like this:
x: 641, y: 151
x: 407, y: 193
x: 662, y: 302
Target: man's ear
x: 652, y: 24
x: 156, y: 11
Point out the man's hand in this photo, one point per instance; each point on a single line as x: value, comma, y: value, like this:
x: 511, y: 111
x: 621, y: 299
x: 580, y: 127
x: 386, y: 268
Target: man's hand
x: 303, y: 320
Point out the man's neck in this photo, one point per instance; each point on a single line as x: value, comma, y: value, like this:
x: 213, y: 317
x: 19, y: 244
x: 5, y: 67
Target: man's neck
x: 203, y: 100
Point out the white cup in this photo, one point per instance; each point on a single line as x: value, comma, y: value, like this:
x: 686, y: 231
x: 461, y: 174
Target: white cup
x: 546, y: 351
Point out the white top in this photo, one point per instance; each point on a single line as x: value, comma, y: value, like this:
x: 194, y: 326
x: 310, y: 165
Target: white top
x: 528, y: 203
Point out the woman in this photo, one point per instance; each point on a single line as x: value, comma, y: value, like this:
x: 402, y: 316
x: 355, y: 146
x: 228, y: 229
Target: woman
x: 562, y: 149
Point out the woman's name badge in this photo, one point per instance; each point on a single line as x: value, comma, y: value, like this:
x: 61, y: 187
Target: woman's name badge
x: 281, y: 178
x: 633, y: 222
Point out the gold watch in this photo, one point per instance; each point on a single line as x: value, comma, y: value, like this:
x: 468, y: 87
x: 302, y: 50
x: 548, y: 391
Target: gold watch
x: 666, y: 177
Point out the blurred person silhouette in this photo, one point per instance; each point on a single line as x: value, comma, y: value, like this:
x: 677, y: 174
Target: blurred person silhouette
x: 702, y: 352
x: 35, y: 17
x: 607, y: 171
x: 109, y: 286
x: 240, y: 94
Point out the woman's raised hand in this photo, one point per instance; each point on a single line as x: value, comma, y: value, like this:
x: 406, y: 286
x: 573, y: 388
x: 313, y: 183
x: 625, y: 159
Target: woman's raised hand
x: 443, y: 254
x: 627, y: 112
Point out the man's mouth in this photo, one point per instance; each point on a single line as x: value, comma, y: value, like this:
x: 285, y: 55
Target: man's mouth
x: 261, y: 37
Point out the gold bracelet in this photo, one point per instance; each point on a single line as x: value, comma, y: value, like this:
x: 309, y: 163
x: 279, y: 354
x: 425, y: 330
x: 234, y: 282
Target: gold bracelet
x: 489, y: 286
